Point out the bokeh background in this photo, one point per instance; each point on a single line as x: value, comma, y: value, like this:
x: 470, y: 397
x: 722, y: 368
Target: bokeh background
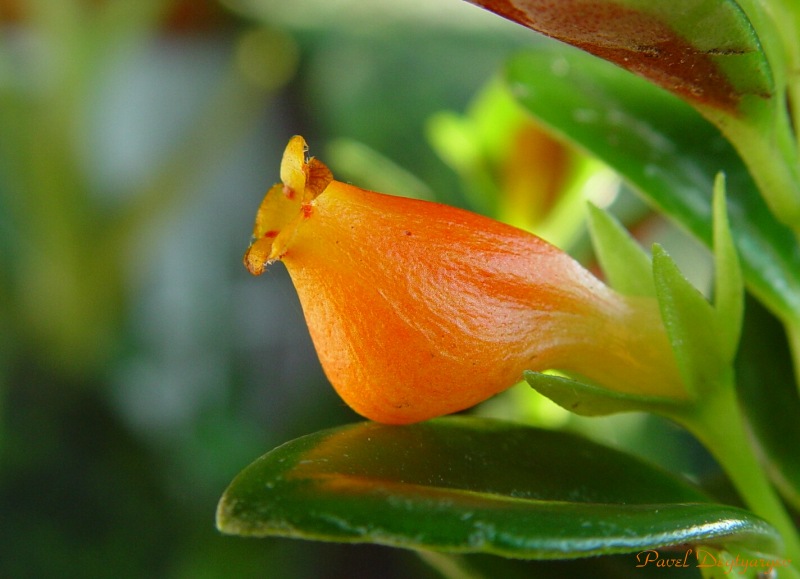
x: 141, y: 367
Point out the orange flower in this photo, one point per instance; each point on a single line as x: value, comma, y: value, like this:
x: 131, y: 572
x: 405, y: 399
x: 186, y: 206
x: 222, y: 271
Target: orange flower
x: 418, y: 309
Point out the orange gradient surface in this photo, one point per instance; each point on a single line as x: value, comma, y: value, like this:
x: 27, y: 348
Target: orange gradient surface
x: 418, y: 309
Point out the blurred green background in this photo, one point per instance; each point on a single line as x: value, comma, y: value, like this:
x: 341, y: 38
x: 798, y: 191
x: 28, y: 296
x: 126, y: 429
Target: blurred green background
x: 141, y: 367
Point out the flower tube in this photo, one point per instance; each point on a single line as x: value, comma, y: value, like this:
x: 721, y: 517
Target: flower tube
x: 418, y: 309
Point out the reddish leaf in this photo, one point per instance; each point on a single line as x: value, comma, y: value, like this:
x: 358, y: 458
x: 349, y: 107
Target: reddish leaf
x: 703, y: 52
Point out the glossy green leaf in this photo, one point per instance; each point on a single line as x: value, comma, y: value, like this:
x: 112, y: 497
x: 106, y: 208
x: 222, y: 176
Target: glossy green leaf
x: 665, y: 150
x: 623, y: 261
x: 475, y: 485
x: 691, y: 324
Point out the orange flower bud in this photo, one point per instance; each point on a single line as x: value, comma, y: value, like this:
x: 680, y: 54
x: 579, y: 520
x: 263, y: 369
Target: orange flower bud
x: 418, y: 309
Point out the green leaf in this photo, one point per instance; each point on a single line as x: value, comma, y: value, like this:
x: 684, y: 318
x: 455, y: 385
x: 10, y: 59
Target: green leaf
x: 665, y: 150
x: 691, y: 324
x: 622, y: 259
x: 587, y: 399
x: 729, y: 286
x: 476, y: 486
x: 705, y: 51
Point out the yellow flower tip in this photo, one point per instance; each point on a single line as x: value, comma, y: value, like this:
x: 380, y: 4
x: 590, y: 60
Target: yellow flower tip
x: 418, y: 309
x: 293, y: 164
x: 257, y: 256
x: 285, y: 204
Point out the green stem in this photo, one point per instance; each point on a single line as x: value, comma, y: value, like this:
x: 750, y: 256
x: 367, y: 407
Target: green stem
x: 770, y: 154
x: 786, y: 15
x: 770, y: 146
x: 718, y: 423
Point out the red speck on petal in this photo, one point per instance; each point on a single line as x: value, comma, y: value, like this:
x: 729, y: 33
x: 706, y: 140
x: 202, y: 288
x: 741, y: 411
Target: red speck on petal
x: 308, y: 210
x: 289, y: 192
